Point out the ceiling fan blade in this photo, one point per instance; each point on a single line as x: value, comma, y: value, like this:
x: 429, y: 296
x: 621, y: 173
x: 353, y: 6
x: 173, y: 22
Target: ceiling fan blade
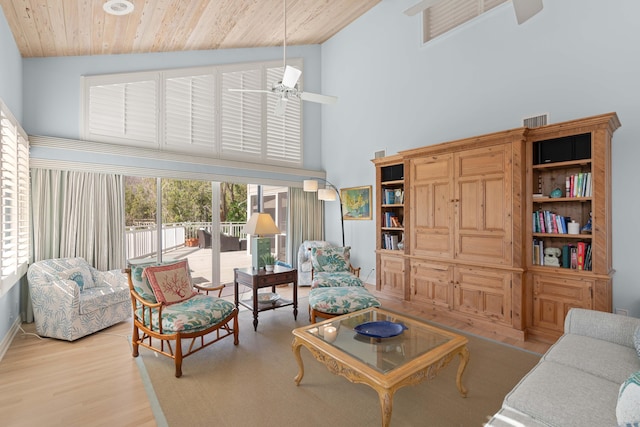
x: 316, y: 97
x: 526, y: 9
x: 291, y: 76
x: 281, y: 106
x: 251, y: 90
x: 417, y: 8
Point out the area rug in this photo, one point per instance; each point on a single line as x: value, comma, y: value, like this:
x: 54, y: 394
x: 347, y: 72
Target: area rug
x: 252, y: 384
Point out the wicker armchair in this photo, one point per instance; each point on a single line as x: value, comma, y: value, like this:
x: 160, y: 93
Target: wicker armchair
x: 173, y: 318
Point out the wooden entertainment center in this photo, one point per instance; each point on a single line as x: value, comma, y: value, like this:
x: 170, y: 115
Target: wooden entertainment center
x: 459, y: 226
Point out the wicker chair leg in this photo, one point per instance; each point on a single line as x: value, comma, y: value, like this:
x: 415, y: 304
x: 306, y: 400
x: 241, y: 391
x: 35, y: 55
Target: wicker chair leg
x: 135, y: 337
x: 178, y: 357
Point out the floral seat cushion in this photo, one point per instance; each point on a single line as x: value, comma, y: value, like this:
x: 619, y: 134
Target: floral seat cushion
x: 341, y: 300
x: 197, y: 313
x: 325, y: 279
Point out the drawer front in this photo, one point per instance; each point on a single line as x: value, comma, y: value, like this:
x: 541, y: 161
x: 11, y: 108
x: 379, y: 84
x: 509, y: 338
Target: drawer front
x: 276, y: 279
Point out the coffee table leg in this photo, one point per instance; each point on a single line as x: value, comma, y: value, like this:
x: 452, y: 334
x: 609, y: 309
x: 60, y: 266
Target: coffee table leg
x: 295, y: 346
x: 255, y: 307
x: 386, y: 406
x: 464, y: 359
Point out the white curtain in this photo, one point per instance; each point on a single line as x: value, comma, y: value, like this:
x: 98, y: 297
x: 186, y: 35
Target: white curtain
x: 78, y: 214
x: 306, y: 220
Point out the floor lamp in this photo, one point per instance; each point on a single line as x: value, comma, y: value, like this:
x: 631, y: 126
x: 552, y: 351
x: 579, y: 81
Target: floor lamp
x: 258, y: 225
x: 311, y: 185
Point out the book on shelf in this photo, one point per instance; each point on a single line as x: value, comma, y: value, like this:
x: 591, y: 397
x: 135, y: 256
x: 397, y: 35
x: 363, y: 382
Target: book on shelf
x: 579, y: 185
x: 580, y: 255
x: 549, y: 222
x: 390, y: 241
x: 393, y: 196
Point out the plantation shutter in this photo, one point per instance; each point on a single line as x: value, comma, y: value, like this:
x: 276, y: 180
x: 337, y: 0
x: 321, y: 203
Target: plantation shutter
x: 124, y: 112
x: 189, y: 113
x: 241, y: 118
x: 14, y: 200
x: 283, y: 132
x: 447, y: 15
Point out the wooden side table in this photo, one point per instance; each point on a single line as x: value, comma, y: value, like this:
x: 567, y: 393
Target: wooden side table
x: 256, y: 279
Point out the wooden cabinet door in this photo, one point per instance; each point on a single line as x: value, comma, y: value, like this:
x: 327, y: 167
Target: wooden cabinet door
x: 392, y: 275
x: 431, y: 212
x: 553, y: 297
x: 483, y: 292
x: 432, y: 283
x: 483, y: 202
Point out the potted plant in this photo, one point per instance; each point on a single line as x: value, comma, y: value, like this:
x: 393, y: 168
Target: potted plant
x: 269, y: 260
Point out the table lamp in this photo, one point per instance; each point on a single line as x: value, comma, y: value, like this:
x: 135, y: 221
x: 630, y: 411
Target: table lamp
x: 258, y: 225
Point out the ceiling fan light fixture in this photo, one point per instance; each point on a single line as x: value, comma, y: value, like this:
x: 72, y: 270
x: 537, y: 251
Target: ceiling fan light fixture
x: 118, y: 7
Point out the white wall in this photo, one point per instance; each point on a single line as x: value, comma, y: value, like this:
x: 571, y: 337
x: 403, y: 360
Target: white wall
x: 576, y: 58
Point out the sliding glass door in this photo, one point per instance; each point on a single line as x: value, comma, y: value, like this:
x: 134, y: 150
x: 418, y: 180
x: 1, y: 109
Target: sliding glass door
x: 187, y: 228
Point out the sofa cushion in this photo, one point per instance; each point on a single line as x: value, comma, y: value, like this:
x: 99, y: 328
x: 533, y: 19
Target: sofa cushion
x: 141, y: 282
x: 636, y: 340
x: 560, y: 395
x: 341, y: 300
x: 330, y: 258
x: 593, y: 355
x: 326, y: 279
x: 628, y: 406
x: 196, y: 313
x: 80, y: 274
x: 99, y: 297
x: 170, y: 283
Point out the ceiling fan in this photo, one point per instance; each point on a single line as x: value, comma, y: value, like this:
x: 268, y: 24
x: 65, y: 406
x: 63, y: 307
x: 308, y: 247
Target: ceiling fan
x: 287, y: 88
x: 524, y: 9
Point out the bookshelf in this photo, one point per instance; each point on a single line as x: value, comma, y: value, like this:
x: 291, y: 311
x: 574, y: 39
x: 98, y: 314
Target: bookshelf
x: 569, y: 180
x: 471, y: 219
x: 390, y: 227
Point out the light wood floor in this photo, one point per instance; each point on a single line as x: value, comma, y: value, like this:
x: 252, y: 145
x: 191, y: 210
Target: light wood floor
x: 96, y: 382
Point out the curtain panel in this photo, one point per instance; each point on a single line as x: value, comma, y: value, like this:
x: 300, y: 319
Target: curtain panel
x: 78, y: 214
x: 306, y: 219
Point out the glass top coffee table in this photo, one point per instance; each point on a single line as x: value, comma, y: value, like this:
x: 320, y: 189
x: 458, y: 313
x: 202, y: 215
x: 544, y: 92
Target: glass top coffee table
x: 381, y: 349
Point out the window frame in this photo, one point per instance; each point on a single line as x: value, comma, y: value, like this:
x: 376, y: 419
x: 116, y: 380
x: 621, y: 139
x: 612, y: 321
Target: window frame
x: 281, y: 143
x: 14, y: 200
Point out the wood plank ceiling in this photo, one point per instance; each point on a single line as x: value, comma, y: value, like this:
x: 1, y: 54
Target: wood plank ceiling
x: 46, y: 28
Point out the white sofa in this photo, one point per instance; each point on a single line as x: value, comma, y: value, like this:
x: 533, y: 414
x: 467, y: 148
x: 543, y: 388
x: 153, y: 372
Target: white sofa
x: 577, y: 381
x: 72, y: 299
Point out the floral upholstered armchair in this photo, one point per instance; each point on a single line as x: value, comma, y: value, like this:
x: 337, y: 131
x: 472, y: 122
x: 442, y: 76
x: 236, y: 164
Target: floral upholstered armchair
x: 337, y: 287
x: 331, y: 266
x: 304, y: 260
x: 169, y: 313
x: 72, y: 299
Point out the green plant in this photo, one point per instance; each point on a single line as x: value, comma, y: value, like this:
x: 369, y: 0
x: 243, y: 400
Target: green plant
x: 268, y: 259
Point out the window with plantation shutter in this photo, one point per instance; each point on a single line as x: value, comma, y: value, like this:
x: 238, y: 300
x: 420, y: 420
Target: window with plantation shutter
x: 283, y: 132
x: 192, y: 111
x: 447, y: 15
x: 189, y: 121
x: 123, y: 112
x: 14, y: 200
x: 241, y: 115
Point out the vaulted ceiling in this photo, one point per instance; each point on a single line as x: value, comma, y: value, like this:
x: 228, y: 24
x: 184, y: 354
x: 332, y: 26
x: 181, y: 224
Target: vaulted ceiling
x: 47, y: 28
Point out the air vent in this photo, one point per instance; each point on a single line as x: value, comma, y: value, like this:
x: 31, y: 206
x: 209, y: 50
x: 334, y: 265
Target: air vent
x: 536, y: 121
x: 379, y: 154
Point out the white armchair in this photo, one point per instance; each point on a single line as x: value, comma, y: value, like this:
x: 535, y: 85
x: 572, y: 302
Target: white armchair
x: 304, y: 260
x: 72, y: 299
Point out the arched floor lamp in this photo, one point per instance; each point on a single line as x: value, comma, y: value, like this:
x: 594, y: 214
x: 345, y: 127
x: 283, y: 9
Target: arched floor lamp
x: 311, y: 185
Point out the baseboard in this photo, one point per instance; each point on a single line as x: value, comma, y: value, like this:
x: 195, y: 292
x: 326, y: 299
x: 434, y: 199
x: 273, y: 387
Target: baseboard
x: 8, y: 338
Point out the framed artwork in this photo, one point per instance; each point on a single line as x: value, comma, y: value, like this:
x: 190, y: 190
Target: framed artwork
x: 356, y: 202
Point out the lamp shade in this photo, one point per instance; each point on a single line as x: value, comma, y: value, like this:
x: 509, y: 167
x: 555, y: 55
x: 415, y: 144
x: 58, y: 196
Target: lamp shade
x: 260, y: 224
x: 310, y: 185
x: 326, y: 194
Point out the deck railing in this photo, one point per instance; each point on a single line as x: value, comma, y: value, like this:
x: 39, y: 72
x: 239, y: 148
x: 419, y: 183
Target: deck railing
x: 142, y: 240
